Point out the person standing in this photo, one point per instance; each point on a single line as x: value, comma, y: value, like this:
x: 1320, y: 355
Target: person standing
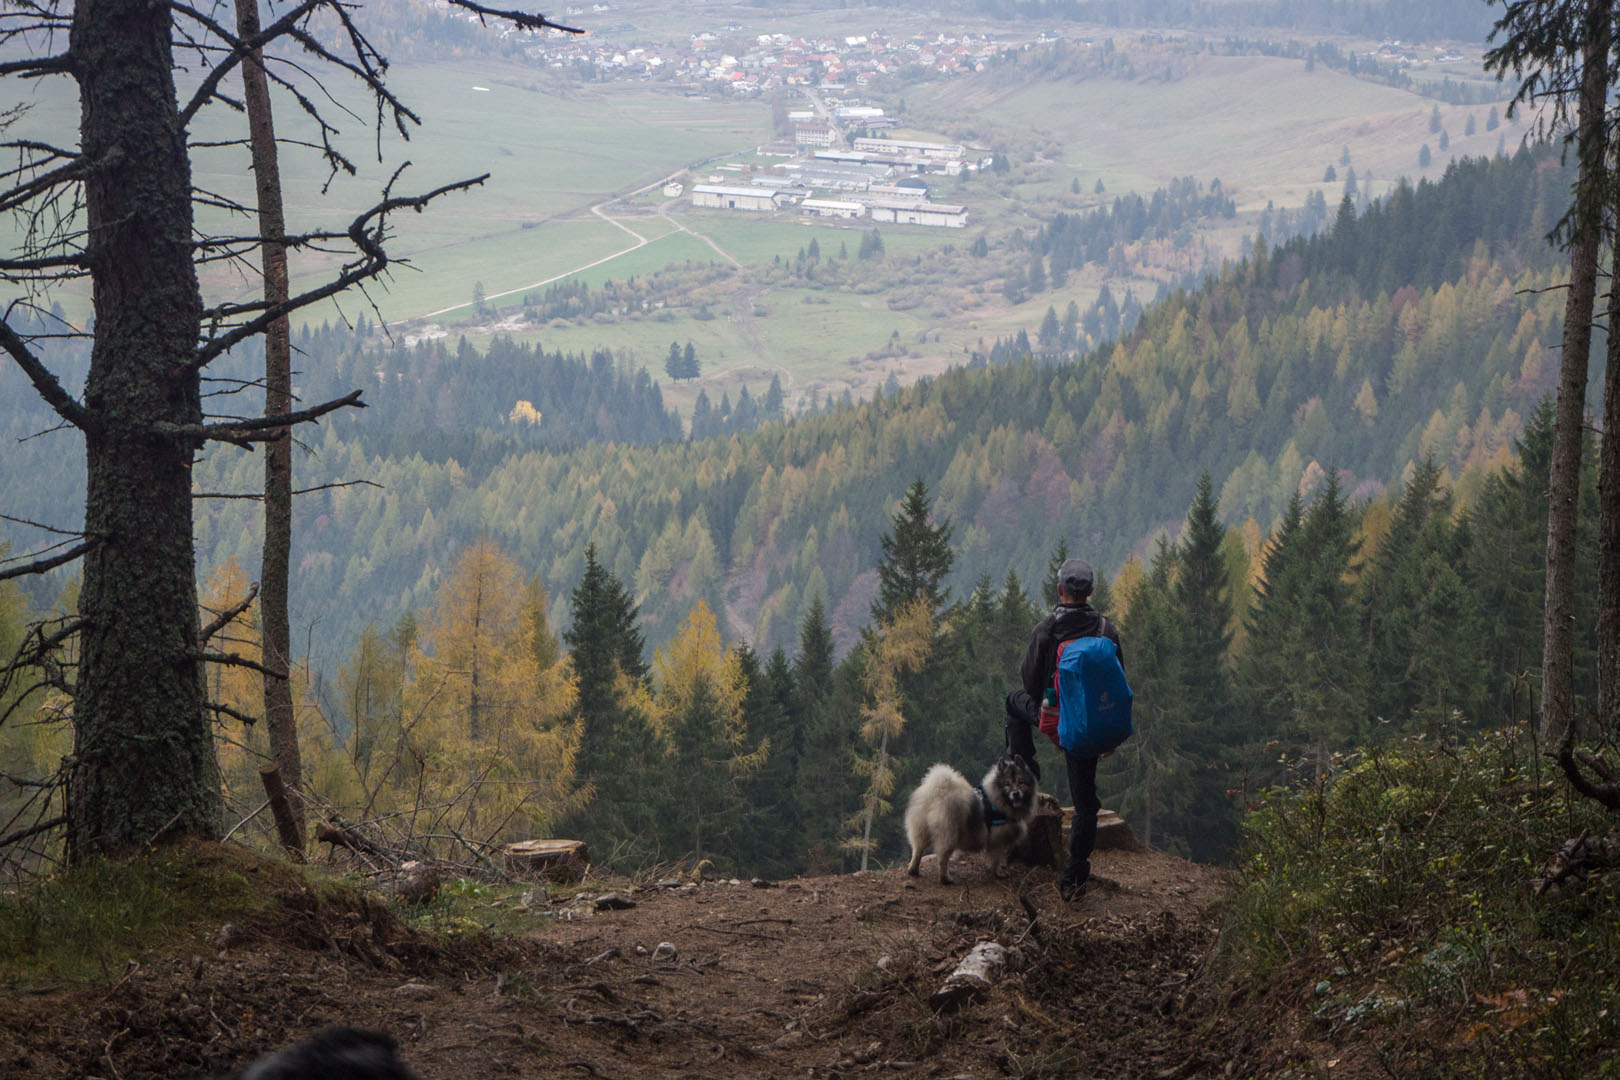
x: 1073, y: 618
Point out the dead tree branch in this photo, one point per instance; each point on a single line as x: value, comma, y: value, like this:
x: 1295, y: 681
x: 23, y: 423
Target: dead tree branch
x: 224, y: 618
x: 258, y: 429
x: 40, y: 566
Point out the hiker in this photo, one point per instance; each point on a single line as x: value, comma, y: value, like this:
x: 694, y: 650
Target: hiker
x: 1072, y: 618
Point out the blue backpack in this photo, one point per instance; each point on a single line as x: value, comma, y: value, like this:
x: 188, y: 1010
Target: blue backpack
x: 1094, y: 700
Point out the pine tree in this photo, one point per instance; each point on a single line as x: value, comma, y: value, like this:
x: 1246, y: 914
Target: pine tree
x: 1205, y: 604
x: 703, y: 425
x: 1049, y: 585
x: 768, y: 832
x: 916, y: 556
x: 616, y: 753
x: 1414, y: 609
x: 823, y: 791
x: 1049, y: 331
x: 1069, y: 331
x: 1036, y: 276
x: 1153, y: 771
x: 1201, y: 600
x: 773, y: 406
x: 690, y: 368
x: 708, y: 751
x: 672, y: 362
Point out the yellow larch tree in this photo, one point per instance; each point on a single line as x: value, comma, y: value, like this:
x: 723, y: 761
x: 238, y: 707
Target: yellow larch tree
x: 233, y: 691
x: 901, y: 645
x: 488, y: 733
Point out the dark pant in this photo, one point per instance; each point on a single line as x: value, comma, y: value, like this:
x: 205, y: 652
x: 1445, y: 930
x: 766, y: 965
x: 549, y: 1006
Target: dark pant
x: 1083, y: 830
x: 1023, y: 718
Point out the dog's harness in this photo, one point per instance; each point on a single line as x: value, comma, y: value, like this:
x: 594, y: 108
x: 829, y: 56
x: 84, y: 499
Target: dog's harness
x: 987, y: 809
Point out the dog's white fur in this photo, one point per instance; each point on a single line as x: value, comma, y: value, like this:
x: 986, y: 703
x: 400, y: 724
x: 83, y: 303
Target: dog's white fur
x: 945, y: 814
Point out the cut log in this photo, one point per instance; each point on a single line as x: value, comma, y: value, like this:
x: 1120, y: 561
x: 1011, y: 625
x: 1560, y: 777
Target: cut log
x: 979, y: 970
x: 417, y: 882
x: 556, y: 860
x: 1043, y: 845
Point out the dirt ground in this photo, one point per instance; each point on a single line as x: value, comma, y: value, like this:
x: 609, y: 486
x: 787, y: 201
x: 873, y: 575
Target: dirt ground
x: 810, y: 977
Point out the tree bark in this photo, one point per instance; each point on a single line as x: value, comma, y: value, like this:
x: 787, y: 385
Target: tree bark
x: 1563, y: 489
x: 1608, y: 600
x: 143, y: 764
x: 275, y: 633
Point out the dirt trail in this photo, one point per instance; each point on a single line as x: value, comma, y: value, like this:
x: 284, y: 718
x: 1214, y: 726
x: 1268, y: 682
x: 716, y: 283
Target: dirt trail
x: 825, y: 976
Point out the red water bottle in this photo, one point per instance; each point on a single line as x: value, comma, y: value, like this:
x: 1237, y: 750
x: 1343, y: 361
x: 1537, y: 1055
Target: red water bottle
x: 1049, y: 715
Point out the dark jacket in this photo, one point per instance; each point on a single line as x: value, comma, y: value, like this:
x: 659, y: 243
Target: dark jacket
x: 1067, y: 621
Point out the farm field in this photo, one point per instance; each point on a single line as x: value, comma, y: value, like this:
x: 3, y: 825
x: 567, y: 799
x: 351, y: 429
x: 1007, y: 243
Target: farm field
x: 1267, y: 127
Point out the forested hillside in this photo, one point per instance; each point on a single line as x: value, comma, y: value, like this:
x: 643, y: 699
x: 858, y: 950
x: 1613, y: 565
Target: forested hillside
x: 1239, y: 444
x: 1418, y: 330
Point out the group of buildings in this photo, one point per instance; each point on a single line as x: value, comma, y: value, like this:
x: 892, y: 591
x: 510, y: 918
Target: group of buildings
x: 731, y: 59
x: 880, y: 179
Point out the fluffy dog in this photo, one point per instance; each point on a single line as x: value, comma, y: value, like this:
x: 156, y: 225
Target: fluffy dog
x: 948, y: 814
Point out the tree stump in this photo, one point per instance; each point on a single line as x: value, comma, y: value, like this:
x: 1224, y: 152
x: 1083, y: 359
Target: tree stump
x: 560, y: 861
x: 1043, y: 845
x: 1113, y: 834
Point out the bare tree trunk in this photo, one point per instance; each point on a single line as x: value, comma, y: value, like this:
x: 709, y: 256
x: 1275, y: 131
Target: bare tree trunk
x: 276, y: 636
x: 1608, y: 601
x: 1563, y: 489
x: 143, y: 764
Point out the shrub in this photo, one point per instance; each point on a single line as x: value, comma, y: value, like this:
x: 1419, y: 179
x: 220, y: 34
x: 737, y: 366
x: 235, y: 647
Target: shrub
x: 1401, y: 885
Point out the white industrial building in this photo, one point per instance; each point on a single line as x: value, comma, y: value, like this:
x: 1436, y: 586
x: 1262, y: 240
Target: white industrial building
x: 719, y: 197
x: 832, y: 208
x: 911, y: 212
x: 903, y: 146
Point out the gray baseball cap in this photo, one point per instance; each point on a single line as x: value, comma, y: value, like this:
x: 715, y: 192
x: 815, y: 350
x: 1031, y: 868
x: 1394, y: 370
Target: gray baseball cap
x: 1076, y: 577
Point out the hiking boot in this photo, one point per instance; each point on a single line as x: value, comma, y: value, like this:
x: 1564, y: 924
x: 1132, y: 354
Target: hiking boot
x: 1072, y: 891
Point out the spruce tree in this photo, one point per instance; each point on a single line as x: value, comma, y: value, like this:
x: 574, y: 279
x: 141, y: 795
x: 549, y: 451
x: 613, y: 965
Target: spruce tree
x: 616, y: 745
x: 1414, y: 610
x: 768, y: 833
x: 916, y: 556
x: 1156, y: 775
x: 823, y: 793
x: 1202, y: 596
x: 1202, y: 602
x: 1049, y: 585
x: 1050, y: 330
